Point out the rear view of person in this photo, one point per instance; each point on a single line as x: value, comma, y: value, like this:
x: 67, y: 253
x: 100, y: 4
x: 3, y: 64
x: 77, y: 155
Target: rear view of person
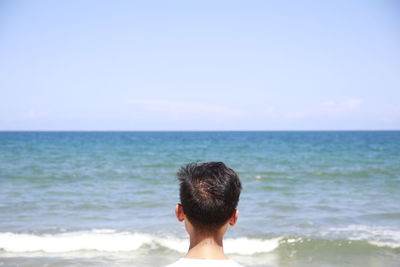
x: 209, y: 194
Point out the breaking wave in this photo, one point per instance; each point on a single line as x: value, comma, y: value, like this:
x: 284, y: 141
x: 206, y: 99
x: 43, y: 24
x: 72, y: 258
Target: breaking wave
x: 109, y: 240
x: 380, y: 236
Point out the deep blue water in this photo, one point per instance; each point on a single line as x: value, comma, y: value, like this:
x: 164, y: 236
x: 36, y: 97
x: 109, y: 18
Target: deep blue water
x: 317, y: 192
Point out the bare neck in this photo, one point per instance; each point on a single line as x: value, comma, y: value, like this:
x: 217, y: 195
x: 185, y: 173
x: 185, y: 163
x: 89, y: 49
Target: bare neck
x: 206, y: 247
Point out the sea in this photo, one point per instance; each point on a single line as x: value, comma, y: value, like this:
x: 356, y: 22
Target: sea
x: 310, y: 198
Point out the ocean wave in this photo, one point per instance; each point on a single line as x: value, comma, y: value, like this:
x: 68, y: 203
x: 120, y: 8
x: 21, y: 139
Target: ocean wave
x: 381, y: 236
x: 109, y: 240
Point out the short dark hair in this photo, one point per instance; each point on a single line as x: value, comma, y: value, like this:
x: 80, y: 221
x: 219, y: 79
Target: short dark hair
x: 209, y: 193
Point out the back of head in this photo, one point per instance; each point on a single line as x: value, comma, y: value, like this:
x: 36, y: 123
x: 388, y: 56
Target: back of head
x: 209, y: 193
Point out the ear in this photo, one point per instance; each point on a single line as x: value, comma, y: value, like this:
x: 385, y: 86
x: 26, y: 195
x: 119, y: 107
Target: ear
x: 234, y: 218
x: 180, y: 215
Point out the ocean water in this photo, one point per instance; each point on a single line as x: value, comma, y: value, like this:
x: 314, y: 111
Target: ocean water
x: 108, y: 198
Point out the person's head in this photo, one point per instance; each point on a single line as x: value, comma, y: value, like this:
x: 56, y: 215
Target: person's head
x: 209, y: 194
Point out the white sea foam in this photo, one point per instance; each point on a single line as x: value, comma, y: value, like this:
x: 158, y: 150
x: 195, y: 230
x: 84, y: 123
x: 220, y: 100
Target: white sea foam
x: 73, y: 241
x: 109, y: 240
x: 381, y: 236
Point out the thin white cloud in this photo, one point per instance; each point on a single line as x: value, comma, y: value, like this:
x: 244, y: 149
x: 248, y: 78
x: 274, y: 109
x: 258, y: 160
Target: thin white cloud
x: 329, y: 108
x: 35, y: 114
x: 352, y: 103
x: 181, y: 111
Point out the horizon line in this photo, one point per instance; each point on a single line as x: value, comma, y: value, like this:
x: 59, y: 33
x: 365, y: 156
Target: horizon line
x: 194, y: 130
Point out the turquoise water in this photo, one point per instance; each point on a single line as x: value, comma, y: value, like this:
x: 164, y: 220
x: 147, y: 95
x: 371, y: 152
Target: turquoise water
x: 107, y: 198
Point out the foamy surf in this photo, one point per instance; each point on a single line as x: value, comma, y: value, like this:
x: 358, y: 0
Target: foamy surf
x: 112, y: 241
x: 380, y: 236
x: 109, y: 240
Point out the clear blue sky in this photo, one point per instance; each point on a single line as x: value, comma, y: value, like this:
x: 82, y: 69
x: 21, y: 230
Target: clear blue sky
x: 199, y: 65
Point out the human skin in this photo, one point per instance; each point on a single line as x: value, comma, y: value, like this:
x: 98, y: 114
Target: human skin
x: 205, y: 245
